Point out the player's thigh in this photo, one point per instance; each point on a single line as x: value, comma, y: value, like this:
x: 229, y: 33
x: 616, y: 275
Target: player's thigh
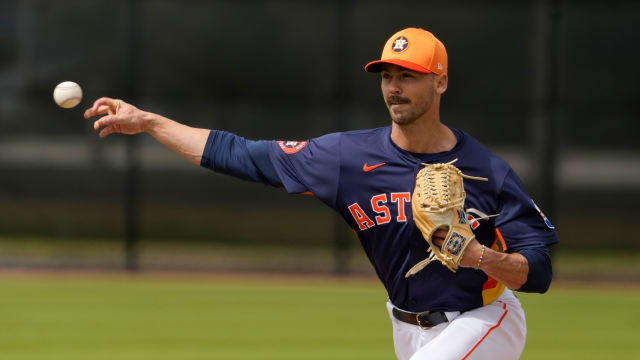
x: 494, y: 332
x: 504, y: 340
x: 407, y: 338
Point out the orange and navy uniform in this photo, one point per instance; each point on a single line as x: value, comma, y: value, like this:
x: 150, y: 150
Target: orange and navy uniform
x: 366, y: 178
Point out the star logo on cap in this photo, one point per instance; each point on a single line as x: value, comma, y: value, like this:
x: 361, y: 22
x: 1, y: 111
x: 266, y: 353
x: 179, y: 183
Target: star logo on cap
x: 400, y: 44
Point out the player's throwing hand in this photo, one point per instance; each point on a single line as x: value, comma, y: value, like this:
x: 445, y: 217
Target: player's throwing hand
x: 121, y: 117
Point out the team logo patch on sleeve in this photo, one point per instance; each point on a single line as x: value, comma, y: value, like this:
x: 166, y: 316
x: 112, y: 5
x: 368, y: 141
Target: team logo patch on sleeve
x: 546, y: 221
x: 292, y: 147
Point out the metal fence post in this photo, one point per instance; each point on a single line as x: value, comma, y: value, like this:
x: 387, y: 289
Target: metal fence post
x: 132, y: 167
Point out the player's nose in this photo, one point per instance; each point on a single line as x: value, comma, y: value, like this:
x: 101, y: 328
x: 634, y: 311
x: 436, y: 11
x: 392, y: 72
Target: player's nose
x: 393, y: 86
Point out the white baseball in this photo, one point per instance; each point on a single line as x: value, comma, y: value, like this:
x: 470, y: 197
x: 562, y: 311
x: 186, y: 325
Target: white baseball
x: 67, y: 94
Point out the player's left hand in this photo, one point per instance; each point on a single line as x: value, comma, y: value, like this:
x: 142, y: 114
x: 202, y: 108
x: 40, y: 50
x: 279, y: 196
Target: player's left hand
x: 470, y: 256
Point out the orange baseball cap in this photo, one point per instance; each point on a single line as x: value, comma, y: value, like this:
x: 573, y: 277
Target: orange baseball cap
x: 414, y: 49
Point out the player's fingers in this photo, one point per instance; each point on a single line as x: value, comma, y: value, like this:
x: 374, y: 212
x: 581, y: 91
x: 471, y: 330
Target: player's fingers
x: 102, y: 109
x: 439, y: 235
x: 108, y: 130
x: 441, y: 232
x: 89, y: 113
x: 93, y: 110
x: 115, y: 106
x: 104, y: 101
x: 104, y: 121
x: 109, y: 103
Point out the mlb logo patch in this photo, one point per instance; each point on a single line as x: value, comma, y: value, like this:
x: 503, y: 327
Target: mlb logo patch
x: 400, y: 44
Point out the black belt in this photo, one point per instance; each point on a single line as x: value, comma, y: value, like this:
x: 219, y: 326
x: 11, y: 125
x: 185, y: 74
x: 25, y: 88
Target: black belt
x: 426, y: 319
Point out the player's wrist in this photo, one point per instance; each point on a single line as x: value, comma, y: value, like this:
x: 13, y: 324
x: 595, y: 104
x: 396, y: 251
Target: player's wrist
x: 471, y: 254
x: 481, y: 257
x: 149, y: 122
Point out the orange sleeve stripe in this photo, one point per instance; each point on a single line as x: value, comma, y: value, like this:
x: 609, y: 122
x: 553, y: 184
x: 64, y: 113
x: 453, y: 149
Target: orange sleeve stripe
x: 501, y: 239
x: 504, y: 306
x: 307, y: 193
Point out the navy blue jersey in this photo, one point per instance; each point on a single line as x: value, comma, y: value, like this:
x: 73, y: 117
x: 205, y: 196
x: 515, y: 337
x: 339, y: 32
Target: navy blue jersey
x: 369, y: 180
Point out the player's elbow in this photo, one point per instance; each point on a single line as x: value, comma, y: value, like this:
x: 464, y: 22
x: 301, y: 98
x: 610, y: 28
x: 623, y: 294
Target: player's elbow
x: 539, y: 286
x: 536, y: 286
x: 540, y: 272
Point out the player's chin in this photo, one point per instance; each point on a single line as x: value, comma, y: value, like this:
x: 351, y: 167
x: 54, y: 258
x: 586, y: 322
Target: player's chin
x: 402, y: 118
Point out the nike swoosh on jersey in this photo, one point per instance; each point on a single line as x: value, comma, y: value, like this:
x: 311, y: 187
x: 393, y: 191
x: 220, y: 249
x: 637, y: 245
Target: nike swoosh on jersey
x: 368, y: 168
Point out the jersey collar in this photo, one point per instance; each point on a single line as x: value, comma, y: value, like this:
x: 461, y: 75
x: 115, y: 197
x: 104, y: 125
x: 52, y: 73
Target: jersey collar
x: 428, y: 158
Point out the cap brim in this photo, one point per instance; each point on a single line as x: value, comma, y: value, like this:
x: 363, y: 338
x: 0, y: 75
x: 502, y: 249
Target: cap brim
x: 376, y: 66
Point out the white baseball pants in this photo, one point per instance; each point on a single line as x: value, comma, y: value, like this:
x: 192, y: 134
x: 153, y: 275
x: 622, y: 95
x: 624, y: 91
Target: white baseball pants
x: 496, y: 331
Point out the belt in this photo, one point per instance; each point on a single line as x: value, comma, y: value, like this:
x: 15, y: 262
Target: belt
x: 426, y: 319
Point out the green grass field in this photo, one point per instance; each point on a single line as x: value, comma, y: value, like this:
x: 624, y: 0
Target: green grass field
x: 152, y: 316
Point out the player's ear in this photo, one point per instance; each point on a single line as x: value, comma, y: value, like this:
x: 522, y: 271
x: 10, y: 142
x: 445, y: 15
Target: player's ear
x: 442, y: 81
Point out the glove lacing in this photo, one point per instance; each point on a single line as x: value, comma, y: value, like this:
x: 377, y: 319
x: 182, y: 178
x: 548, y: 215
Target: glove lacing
x: 440, y: 201
x: 441, y: 181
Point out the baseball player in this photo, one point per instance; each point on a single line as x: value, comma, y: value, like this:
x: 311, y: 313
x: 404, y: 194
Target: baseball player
x: 368, y: 176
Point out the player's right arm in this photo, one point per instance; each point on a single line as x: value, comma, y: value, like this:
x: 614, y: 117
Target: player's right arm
x: 124, y: 118
x: 310, y: 168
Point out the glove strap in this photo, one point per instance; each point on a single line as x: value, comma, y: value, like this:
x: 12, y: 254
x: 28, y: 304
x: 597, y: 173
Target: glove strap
x: 480, y: 214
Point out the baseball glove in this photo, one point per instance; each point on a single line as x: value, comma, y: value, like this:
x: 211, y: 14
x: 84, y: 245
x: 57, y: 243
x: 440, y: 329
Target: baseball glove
x: 438, y: 201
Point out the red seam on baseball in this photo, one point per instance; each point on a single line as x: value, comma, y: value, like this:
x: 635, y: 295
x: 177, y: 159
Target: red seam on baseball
x: 73, y: 98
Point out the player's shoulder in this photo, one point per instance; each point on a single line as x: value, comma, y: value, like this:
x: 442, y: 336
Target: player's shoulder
x: 354, y: 137
x: 363, y: 135
x: 477, y: 153
x: 355, y: 133
x: 367, y: 132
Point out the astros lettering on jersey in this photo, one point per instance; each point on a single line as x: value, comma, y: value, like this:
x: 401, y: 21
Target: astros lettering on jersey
x: 365, y: 177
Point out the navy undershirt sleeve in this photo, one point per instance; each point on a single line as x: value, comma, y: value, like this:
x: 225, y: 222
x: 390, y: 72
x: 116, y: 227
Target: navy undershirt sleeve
x: 526, y: 231
x: 540, y: 273
x: 230, y: 154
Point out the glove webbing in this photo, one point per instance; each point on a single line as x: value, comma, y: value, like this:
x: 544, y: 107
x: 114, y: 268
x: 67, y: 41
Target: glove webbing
x: 437, y: 177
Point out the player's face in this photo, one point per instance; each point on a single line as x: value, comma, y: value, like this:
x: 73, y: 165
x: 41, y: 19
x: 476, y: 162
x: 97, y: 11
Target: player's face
x: 408, y: 94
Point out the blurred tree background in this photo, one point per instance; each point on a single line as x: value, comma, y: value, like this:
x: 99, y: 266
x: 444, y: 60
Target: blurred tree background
x: 551, y: 86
